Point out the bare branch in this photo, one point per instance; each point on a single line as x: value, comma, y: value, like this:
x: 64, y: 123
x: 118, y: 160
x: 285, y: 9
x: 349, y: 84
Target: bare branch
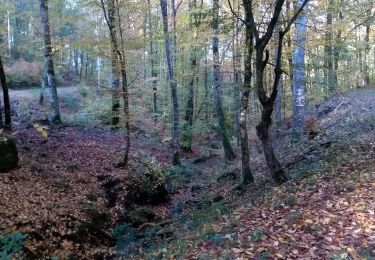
x: 234, y: 13
x: 293, y: 19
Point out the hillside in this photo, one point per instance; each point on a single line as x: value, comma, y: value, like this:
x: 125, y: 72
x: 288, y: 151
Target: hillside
x: 69, y: 196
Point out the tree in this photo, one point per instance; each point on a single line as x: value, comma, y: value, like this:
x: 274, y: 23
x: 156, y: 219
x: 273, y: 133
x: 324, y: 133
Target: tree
x: 154, y: 73
x: 55, y: 110
x: 248, y: 74
x: 7, y: 115
x: 187, y: 135
x: 112, y: 16
x: 228, y: 150
x: 261, y: 61
x: 299, y: 98
x: 331, y: 77
x: 173, y: 85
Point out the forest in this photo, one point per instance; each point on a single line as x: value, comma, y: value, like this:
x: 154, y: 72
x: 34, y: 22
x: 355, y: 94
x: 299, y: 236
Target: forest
x: 185, y: 129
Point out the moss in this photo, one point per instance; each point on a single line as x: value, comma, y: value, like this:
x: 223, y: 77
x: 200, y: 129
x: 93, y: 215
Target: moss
x: 8, y: 154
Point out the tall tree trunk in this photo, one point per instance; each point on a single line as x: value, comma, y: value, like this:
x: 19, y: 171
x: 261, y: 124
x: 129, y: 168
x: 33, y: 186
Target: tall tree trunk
x: 278, y: 102
x: 9, y: 36
x: 299, y: 82
x: 44, y: 83
x: 154, y: 73
x: 330, y: 76
x: 228, y: 150
x: 338, y: 41
x: 264, y: 125
x: 366, y: 71
x: 266, y: 101
x: 247, y: 176
x: 125, y: 88
x: 82, y: 64
x: 55, y: 111
x: 4, y: 86
x: 173, y: 85
x: 76, y: 67
x: 289, y: 44
x: 118, y: 67
x: 99, y: 71
x: 115, y: 64
x: 187, y: 136
x: 237, y: 76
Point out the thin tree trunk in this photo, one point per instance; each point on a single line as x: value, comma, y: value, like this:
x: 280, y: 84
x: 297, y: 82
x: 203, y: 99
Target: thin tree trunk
x: 367, y: 51
x: 76, y: 68
x: 9, y: 35
x: 125, y: 89
x: 328, y: 49
x: 237, y: 77
x: 299, y: 82
x: 154, y: 73
x: 278, y: 102
x: 55, y: 111
x: 187, y: 136
x: 228, y: 150
x: 266, y: 101
x: 44, y: 83
x: 247, y: 176
x: 82, y: 62
x: 173, y: 85
x: 7, y: 116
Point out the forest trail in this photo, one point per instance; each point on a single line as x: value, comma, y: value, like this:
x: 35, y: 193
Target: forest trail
x: 326, y: 210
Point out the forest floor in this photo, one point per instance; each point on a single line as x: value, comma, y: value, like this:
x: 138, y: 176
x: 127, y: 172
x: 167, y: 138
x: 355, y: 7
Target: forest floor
x: 59, y: 194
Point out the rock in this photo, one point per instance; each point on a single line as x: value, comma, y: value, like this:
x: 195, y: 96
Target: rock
x: 218, y: 198
x: 195, y: 187
x: 8, y: 154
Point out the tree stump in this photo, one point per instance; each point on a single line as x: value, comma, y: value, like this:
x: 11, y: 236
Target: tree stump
x: 8, y: 154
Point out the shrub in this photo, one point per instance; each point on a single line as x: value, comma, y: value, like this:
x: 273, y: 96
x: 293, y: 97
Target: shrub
x: 141, y: 215
x: 149, y: 184
x: 24, y: 74
x: 11, y: 244
x: 93, y: 109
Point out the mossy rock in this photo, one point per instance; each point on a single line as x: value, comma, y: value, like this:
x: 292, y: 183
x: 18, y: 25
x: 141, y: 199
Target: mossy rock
x: 150, y: 185
x: 8, y: 154
x: 140, y: 215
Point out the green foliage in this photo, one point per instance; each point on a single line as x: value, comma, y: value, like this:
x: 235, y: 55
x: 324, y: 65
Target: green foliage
x: 150, y: 184
x: 290, y: 200
x: 61, y: 184
x: 233, y: 174
x: 23, y: 74
x: 256, y: 236
x: 140, y: 215
x: 96, y: 218
x: 124, y: 235
x: 94, y: 109
x: 264, y: 256
x: 11, y: 243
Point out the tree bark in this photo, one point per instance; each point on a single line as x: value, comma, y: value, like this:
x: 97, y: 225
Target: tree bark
x: 125, y: 88
x: 55, y: 110
x: 154, y: 73
x: 237, y: 58
x: 173, y: 85
x: 366, y: 71
x: 7, y: 115
x: 278, y: 102
x: 118, y: 67
x: 44, y: 83
x: 330, y: 75
x: 187, y: 136
x: 228, y: 150
x: 261, y: 62
x: 299, y: 82
x: 247, y: 176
